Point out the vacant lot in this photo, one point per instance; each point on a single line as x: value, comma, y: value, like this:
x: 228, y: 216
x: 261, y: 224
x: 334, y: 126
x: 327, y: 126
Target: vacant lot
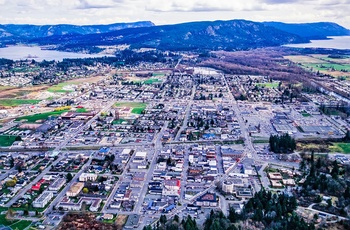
x: 40, y: 116
x: 17, y: 102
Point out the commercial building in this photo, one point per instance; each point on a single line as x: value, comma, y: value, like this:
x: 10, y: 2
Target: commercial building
x: 75, y: 189
x: 57, y: 184
x: 88, y: 177
x: 43, y: 199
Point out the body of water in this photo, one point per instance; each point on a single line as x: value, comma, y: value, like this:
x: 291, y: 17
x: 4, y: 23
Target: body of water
x: 339, y: 42
x: 36, y: 53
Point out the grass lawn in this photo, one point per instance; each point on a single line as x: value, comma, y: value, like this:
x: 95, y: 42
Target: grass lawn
x: 40, y: 116
x: 16, y: 102
x: 340, y: 147
x: 305, y: 114
x: 81, y: 110
x: 158, y: 74
x: 7, y: 140
x: 151, y: 81
x: 268, y: 85
x: 22, y: 224
x: 137, y: 107
x: 118, y: 122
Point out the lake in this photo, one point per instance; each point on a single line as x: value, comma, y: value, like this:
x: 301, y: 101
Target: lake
x: 36, y: 53
x: 339, y: 42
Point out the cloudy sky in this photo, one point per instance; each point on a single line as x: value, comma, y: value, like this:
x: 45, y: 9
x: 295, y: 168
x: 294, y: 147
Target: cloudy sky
x: 171, y: 11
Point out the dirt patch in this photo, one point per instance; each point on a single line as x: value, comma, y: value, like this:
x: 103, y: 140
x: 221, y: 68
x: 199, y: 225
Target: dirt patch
x: 120, y: 221
x: 21, y: 92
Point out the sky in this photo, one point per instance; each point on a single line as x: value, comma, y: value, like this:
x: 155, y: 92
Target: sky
x: 160, y: 12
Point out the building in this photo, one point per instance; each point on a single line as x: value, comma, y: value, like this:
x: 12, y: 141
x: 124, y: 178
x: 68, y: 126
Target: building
x: 88, y: 177
x: 43, y: 199
x: 207, y: 200
x: 75, y: 189
x: 227, y: 187
x: 57, y: 184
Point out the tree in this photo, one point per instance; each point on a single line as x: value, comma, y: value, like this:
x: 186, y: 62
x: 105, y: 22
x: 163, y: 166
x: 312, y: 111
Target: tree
x: 85, y: 190
x: 10, y: 183
x: 163, y: 219
x: 69, y: 177
x: 18, y: 138
x: 177, y: 218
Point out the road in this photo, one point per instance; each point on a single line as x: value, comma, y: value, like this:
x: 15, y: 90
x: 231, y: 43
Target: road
x: 157, y: 149
x: 187, y: 114
x: 67, y: 186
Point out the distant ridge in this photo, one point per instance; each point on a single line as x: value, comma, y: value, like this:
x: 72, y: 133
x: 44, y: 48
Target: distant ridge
x: 22, y: 32
x: 204, y: 35
x: 209, y: 35
x: 315, y: 30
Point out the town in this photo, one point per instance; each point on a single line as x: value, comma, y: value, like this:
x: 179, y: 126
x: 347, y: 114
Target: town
x: 137, y: 144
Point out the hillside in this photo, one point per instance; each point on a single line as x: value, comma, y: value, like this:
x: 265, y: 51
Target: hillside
x: 225, y: 35
x: 317, y: 30
x: 15, y: 33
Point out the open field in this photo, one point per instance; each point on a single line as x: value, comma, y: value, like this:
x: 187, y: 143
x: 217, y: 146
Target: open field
x: 340, y: 147
x: 268, y: 85
x: 20, y: 92
x: 16, y: 102
x: 40, y: 116
x: 304, y: 59
x: 120, y: 221
x: 137, y: 107
x: 7, y: 141
x: 3, y: 87
x: 63, y: 87
x: 336, y: 67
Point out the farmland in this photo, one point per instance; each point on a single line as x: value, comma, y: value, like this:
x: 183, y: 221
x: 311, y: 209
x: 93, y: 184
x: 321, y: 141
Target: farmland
x: 336, y: 67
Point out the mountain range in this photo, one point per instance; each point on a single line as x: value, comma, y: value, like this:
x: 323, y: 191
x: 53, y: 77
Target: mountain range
x: 208, y: 35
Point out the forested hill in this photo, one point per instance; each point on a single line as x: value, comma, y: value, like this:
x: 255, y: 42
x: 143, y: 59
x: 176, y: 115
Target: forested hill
x: 12, y: 32
x: 225, y: 35
x: 317, y: 30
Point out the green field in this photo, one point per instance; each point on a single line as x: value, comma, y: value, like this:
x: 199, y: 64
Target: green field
x: 137, y: 107
x: 25, y: 69
x: 40, y: 116
x: 16, y: 102
x: 305, y: 114
x: 14, y: 224
x: 81, y: 110
x: 59, y: 87
x: 149, y: 81
x: 327, y: 66
x: 118, y: 122
x: 268, y: 85
x: 158, y: 74
x: 6, y: 141
x: 340, y: 147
